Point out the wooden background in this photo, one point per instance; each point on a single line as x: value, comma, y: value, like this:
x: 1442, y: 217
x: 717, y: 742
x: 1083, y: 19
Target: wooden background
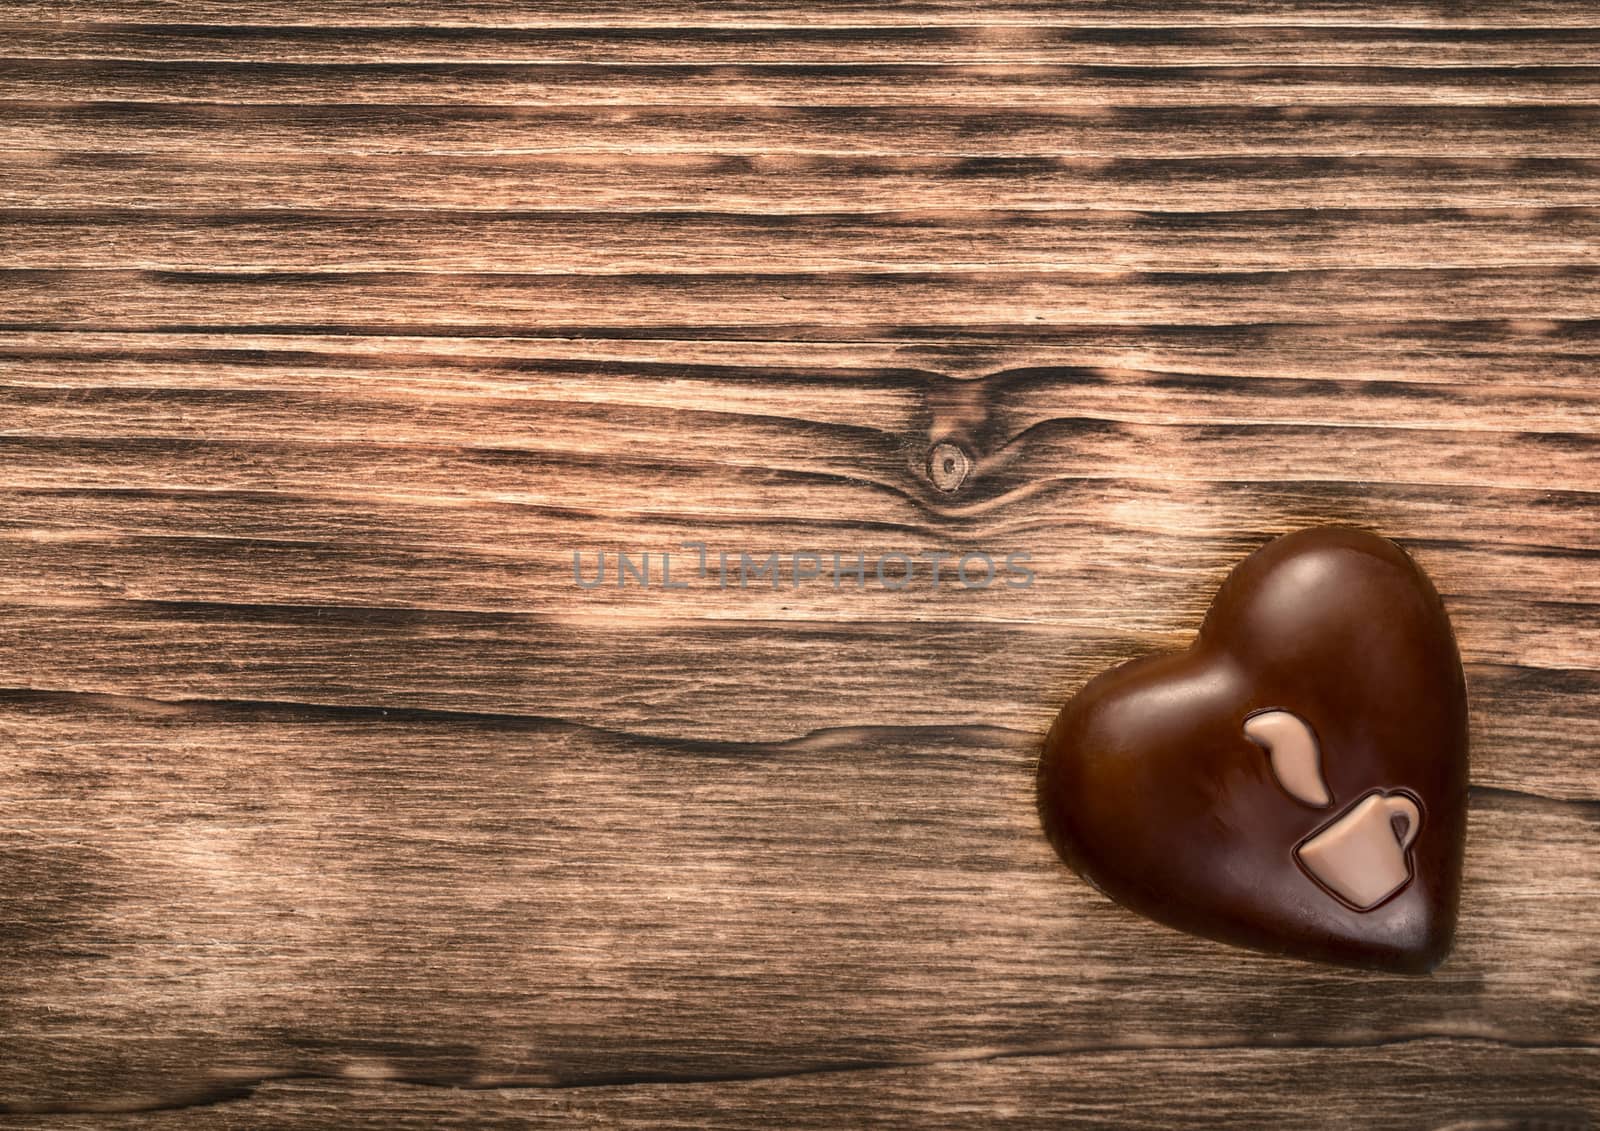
x: 329, y: 330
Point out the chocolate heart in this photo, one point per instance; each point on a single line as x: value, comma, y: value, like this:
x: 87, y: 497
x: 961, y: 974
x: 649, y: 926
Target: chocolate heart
x: 1296, y: 781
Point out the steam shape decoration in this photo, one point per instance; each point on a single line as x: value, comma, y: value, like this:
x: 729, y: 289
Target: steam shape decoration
x: 1295, y: 781
x: 1293, y: 748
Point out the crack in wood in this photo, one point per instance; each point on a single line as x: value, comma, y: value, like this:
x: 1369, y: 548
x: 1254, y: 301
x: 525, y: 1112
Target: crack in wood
x: 842, y: 738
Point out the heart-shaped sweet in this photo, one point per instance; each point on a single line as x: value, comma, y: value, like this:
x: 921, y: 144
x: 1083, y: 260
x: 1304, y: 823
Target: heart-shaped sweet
x: 1296, y: 781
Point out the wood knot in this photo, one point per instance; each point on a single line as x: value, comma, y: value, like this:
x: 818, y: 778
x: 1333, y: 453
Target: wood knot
x: 948, y: 466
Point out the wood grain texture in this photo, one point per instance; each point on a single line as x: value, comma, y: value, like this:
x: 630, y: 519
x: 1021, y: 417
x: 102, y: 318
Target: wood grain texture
x: 844, y: 14
x: 329, y: 332
x: 1489, y: 1089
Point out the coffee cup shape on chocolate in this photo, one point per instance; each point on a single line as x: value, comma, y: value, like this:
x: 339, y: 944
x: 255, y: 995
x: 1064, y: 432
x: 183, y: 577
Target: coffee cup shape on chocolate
x: 1295, y: 781
x: 1361, y: 857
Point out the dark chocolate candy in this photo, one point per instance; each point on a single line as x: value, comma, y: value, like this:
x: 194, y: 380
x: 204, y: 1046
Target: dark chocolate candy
x: 1296, y: 781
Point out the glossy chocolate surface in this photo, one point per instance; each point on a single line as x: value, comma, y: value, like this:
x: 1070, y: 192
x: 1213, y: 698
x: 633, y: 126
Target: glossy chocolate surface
x: 1186, y: 786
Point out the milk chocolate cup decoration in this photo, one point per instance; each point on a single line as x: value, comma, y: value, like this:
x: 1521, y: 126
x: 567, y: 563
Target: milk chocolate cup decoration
x: 1296, y: 780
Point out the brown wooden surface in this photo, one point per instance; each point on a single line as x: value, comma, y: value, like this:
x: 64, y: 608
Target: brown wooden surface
x: 329, y: 331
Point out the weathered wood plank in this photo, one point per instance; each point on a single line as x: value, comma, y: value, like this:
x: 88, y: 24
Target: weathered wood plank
x: 783, y: 183
x: 1031, y: 87
x: 602, y: 906
x: 1486, y: 1086
x: 706, y: 242
x: 1346, y: 44
x: 1454, y: 131
x: 677, y: 677
x: 849, y: 13
x: 842, y: 303
x: 321, y: 394
x: 1531, y: 352
x: 1201, y: 369
x: 861, y: 470
x: 74, y: 552
x: 724, y: 423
